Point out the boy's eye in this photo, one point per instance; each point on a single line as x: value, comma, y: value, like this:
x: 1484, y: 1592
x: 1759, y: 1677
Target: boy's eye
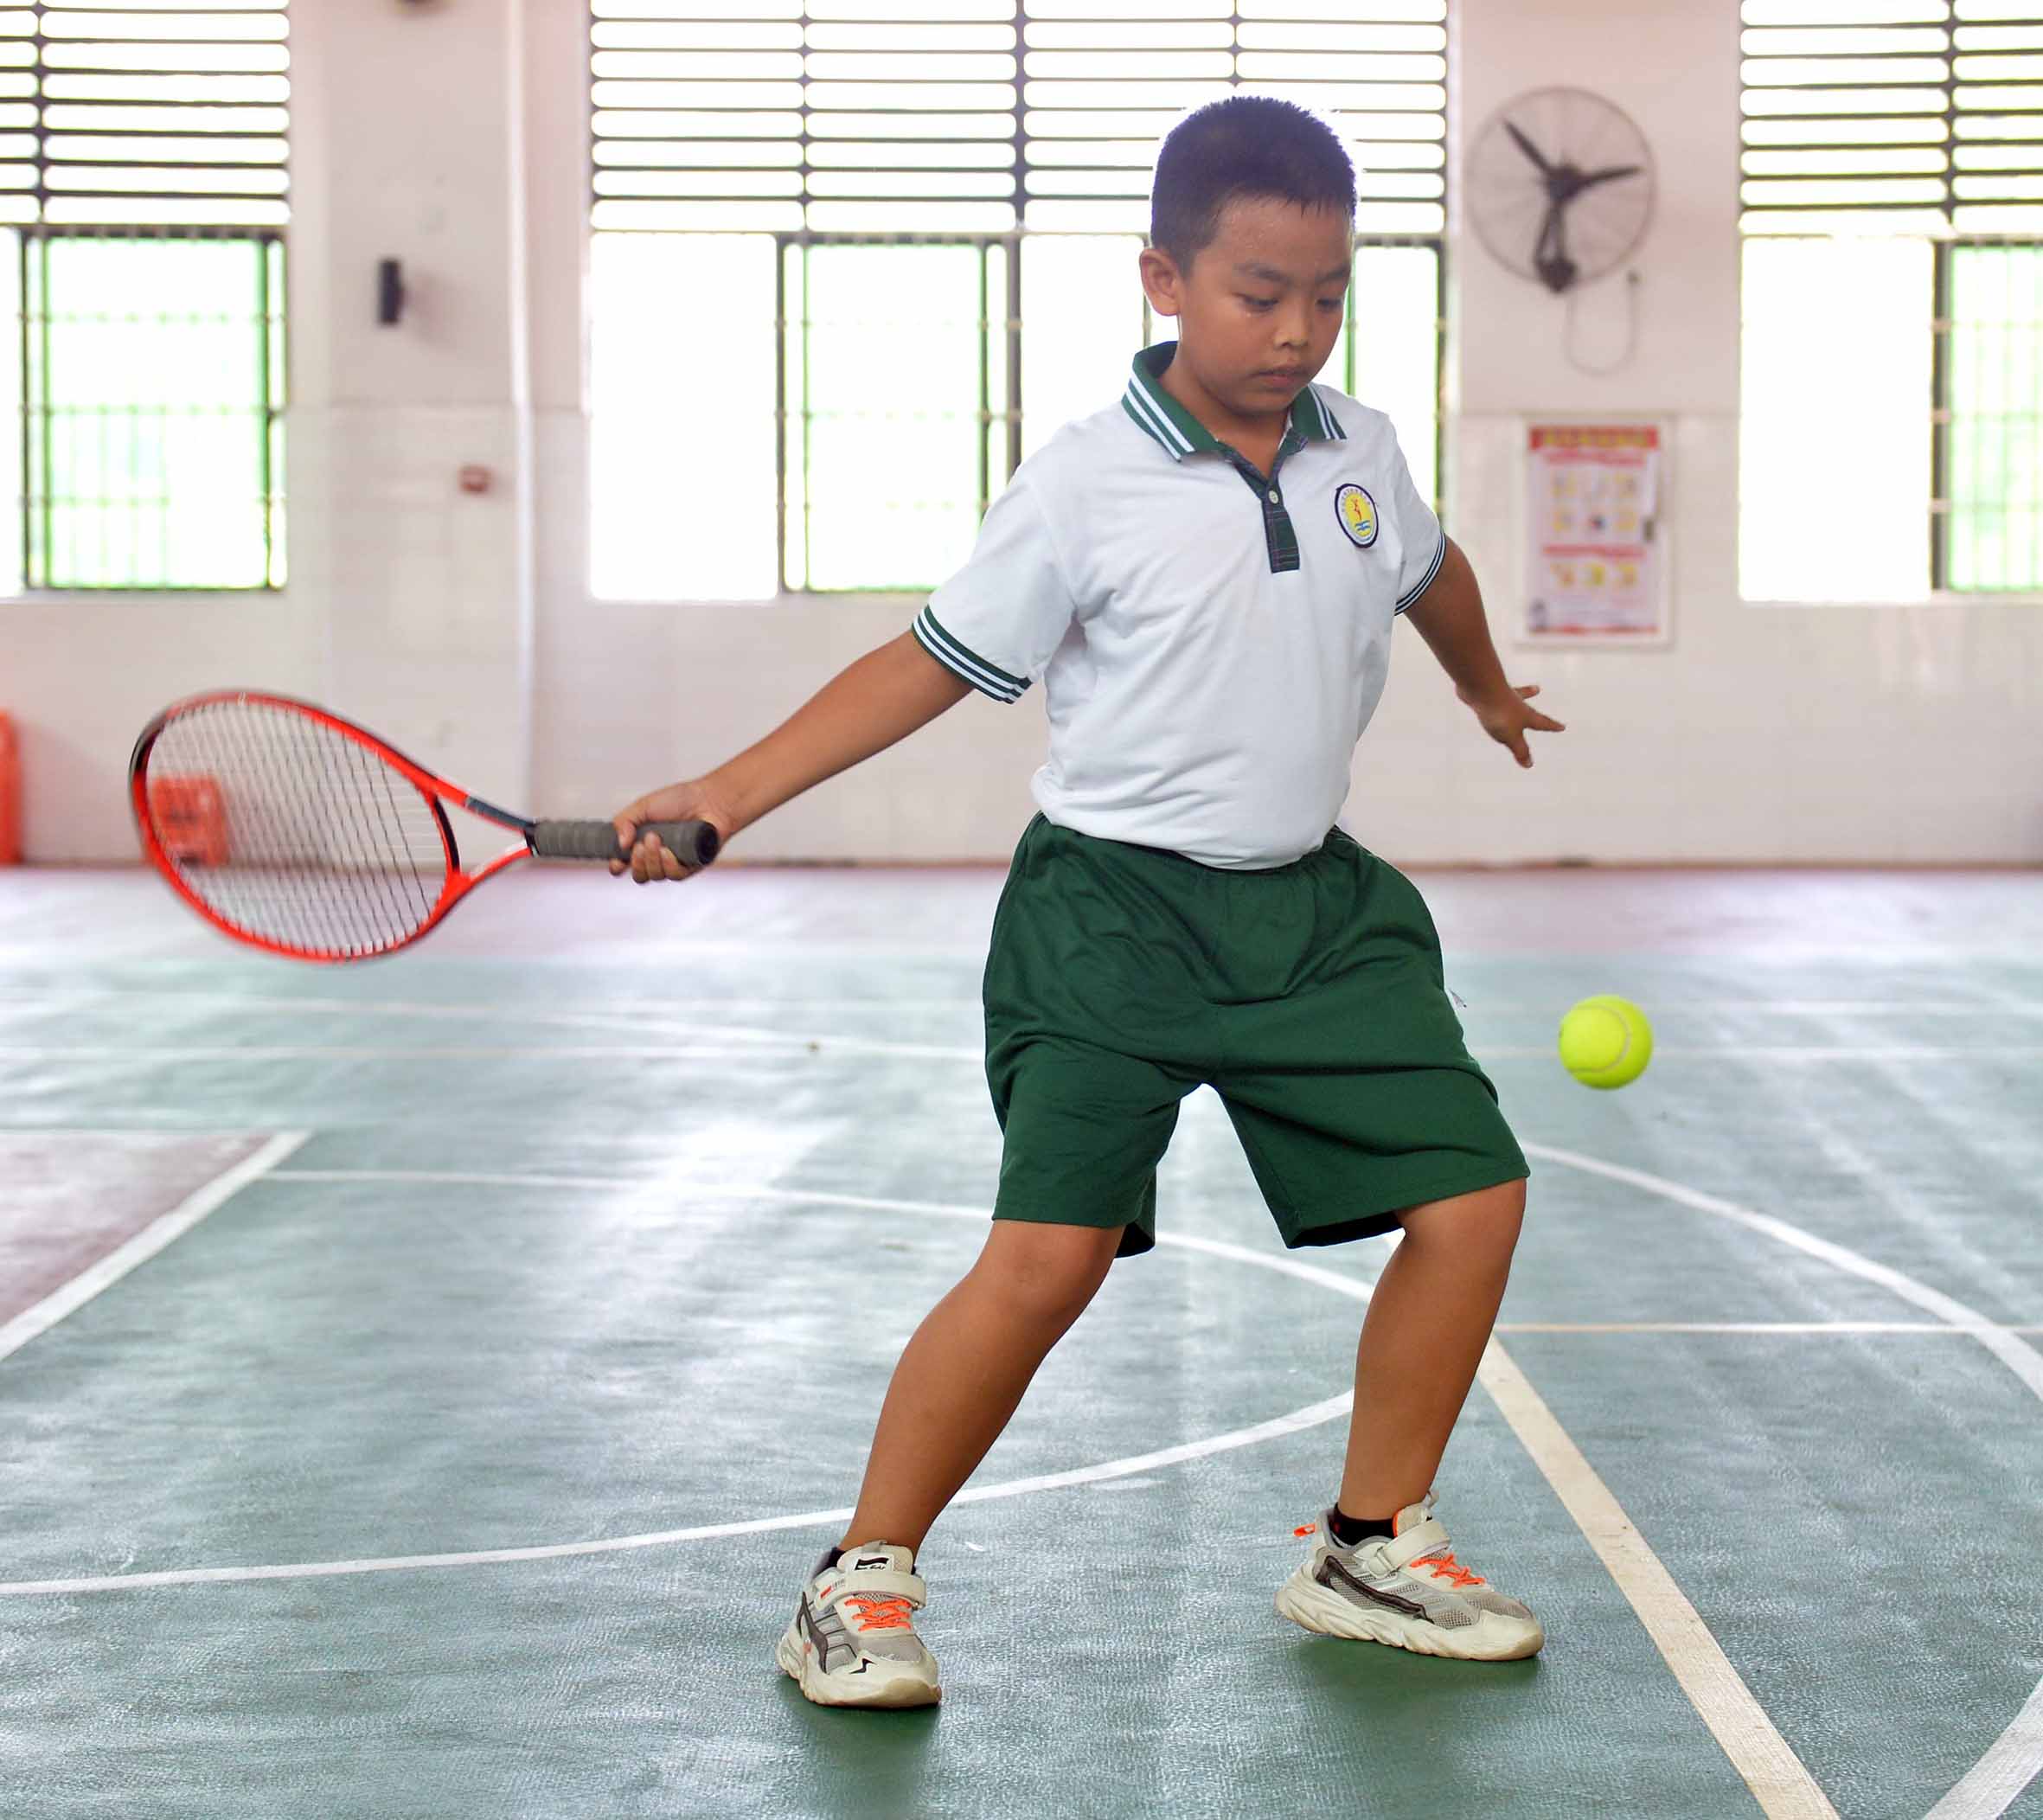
x: 1264, y: 303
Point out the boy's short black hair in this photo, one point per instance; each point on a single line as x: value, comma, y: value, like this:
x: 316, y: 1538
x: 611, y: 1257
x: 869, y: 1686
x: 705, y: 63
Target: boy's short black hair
x: 1245, y: 145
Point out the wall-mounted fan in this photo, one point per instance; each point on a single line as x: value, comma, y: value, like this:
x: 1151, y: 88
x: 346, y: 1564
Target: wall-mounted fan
x: 1559, y: 186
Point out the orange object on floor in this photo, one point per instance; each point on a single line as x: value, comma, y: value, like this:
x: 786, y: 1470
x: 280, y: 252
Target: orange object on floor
x: 11, y: 796
x: 190, y: 819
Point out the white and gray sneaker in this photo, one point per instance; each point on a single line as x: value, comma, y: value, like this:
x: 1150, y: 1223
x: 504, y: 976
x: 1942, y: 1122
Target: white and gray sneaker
x: 853, y: 1640
x: 1407, y: 1590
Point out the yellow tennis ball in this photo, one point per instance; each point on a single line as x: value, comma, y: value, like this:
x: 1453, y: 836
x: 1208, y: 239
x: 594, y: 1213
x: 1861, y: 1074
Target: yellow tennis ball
x: 1606, y: 1042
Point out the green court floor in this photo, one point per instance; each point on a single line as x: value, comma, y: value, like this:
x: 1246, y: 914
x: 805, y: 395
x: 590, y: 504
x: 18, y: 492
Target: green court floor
x: 515, y: 1315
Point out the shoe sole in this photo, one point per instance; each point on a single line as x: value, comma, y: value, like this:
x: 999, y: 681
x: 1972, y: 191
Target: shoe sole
x: 902, y: 1691
x: 1493, y: 1637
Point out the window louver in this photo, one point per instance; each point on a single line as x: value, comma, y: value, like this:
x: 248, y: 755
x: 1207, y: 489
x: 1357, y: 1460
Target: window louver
x: 979, y: 116
x: 152, y: 114
x: 1894, y: 116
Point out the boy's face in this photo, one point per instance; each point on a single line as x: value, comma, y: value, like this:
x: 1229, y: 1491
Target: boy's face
x: 1261, y: 308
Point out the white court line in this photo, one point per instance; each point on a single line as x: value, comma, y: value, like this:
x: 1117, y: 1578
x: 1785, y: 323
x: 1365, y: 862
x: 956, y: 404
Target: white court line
x: 2015, y: 1353
x: 71, y: 997
x: 710, y: 1041
x: 2017, y: 1755
x: 1746, y: 1327
x: 144, y: 1135
x: 1840, y: 1007
x: 1312, y: 1416
x: 1780, y: 1782
x: 1784, y: 1788
x: 626, y: 1013
x: 145, y: 1244
x: 623, y: 1018
x: 1803, y: 1052
x: 1990, y: 1786
x: 770, y: 1040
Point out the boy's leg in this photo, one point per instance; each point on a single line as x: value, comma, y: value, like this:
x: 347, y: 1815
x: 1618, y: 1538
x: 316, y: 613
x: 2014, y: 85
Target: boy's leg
x: 1400, y: 1581
x: 964, y: 1370
x: 852, y: 1641
x: 1428, y: 1322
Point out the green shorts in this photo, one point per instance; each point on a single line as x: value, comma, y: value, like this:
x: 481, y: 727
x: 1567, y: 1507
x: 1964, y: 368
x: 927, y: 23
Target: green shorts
x: 1308, y: 996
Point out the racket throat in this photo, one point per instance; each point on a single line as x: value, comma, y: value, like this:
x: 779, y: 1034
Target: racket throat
x: 502, y: 818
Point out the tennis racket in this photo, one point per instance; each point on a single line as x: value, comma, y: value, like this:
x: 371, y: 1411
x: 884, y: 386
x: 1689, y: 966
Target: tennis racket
x: 298, y: 832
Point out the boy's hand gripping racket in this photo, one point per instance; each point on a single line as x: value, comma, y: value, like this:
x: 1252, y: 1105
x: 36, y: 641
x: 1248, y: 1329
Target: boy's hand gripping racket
x: 299, y: 832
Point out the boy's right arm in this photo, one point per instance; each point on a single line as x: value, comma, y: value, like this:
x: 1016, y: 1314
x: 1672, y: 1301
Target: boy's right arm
x: 882, y: 698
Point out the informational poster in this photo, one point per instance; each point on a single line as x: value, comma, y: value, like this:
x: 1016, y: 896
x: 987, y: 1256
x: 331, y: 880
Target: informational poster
x: 1595, y: 563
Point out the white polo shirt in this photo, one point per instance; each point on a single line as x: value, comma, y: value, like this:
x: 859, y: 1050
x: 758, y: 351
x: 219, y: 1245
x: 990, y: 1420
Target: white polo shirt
x: 1211, y: 642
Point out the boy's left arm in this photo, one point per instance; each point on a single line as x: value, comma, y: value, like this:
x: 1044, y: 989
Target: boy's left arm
x: 1450, y: 617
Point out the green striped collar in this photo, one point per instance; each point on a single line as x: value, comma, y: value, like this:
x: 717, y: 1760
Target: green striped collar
x: 1180, y: 433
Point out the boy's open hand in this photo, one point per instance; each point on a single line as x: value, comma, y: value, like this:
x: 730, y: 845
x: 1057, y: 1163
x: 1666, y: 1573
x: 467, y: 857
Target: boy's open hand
x: 1506, y: 719
x: 650, y: 858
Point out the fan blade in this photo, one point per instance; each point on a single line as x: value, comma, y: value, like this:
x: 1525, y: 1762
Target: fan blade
x: 1530, y: 149
x: 1610, y: 176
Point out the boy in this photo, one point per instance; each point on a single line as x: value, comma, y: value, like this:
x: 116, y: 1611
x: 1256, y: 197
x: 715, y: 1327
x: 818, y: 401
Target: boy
x: 1205, y: 575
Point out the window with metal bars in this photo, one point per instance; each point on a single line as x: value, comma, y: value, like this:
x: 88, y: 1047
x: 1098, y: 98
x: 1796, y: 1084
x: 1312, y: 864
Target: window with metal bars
x: 1892, y: 210
x: 854, y: 261
x: 143, y: 200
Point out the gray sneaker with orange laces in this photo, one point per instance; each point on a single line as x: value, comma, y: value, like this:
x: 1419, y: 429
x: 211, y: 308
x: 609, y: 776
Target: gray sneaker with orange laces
x: 1408, y: 1591
x: 853, y: 1642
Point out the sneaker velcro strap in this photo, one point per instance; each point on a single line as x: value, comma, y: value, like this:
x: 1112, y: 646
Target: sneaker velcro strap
x: 1420, y: 1539
x: 886, y: 1583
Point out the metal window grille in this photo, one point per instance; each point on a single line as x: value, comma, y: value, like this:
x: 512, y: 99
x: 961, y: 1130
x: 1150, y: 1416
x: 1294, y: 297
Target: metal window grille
x: 143, y: 189
x: 982, y: 126
x: 980, y: 414
x: 1925, y: 118
x: 151, y: 409
x: 1987, y: 423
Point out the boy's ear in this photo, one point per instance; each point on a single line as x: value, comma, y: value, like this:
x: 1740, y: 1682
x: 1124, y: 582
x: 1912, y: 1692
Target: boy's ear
x: 1161, y: 282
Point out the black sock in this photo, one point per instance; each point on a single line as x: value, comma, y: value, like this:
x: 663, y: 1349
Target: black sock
x: 1349, y: 1530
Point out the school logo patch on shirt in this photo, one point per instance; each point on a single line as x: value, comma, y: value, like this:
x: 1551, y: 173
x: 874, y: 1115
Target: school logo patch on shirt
x: 1357, y: 513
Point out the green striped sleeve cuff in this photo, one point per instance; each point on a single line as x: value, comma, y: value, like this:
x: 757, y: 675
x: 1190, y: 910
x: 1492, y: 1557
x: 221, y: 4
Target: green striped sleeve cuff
x: 965, y: 663
x: 1432, y: 568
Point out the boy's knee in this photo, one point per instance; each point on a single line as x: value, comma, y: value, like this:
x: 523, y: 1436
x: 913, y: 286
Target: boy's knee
x: 1489, y: 1215
x: 1054, y: 1271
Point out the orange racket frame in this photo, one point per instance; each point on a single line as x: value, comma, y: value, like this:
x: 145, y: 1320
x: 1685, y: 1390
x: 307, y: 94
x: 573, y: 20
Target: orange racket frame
x: 696, y: 843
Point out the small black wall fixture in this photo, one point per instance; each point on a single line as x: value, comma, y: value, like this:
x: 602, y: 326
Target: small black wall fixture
x: 389, y: 291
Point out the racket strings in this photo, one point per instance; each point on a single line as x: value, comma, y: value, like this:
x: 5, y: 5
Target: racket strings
x: 292, y: 831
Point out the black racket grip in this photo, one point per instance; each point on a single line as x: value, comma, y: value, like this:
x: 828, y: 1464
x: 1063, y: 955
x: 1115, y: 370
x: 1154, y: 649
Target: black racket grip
x: 694, y: 843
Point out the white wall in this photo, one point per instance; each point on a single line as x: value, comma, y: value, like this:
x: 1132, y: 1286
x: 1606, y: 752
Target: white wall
x: 453, y: 136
